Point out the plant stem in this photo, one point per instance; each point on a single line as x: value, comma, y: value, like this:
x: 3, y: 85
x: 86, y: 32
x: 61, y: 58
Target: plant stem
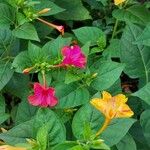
x: 106, y: 123
x: 115, y: 29
x: 44, y: 78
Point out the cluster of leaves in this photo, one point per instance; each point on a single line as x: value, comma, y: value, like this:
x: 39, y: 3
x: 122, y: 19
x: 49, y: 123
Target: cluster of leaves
x: 116, y: 42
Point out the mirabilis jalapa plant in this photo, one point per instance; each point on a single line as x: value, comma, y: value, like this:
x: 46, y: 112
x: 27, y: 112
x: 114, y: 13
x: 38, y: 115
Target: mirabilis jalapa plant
x: 75, y: 100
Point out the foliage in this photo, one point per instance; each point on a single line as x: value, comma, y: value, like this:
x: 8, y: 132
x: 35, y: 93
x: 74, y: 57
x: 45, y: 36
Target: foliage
x: 96, y: 46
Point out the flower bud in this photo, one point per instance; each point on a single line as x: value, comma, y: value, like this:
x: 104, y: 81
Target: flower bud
x: 44, y: 11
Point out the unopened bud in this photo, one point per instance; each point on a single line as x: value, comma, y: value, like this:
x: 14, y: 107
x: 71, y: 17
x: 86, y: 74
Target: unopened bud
x: 94, y: 75
x: 27, y: 70
x: 44, y: 11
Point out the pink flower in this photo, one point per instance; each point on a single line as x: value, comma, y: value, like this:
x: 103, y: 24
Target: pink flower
x: 73, y: 56
x: 43, y: 96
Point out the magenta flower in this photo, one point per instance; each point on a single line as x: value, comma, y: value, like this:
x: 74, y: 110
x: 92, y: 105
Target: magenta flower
x: 43, y: 96
x: 73, y: 56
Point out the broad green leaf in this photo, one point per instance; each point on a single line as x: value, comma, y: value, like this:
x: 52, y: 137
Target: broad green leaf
x: 18, y: 134
x: 26, y: 31
x: 42, y: 136
x: 88, y: 34
x: 111, y: 136
x: 21, y: 62
x: 36, y: 54
x: 99, y: 145
x: 6, y: 40
x: 7, y: 15
x: 145, y: 123
x: 54, y: 9
x: 113, y: 50
x: 3, y: 115
x: 136, y: 57
x: 71, y: 77
x: 25, y: 111
x: 108, y: 72
x: 144, y: 38
x: 126, y: 143
x: 74, y: 10
x: 18, y: 85
x: 86, y: 48
x: 56, y: 130
x: 71, y: 95
x: 144, y: 93
x: 65, y: 145
x: 5, y: 73
x: 53, y: 48
x: 29, y: 129
x: 136, y: 14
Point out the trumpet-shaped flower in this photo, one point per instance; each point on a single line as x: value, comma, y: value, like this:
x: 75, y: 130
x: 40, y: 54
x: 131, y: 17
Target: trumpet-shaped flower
x: 73, y: 56
x: 8, y: 147
x: 117, y: 2
x: 43, y: 96
x: 112, y: 106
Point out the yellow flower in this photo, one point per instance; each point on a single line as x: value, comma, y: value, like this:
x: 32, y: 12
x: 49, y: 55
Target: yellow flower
x: 112, y: 107
x: 117, y: 2
x: 8, y: 147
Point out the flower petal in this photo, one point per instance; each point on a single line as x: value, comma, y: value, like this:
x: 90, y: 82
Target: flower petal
x: 106, y: 96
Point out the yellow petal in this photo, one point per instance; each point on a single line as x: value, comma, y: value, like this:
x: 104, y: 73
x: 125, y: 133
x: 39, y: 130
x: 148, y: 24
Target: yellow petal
x: 120, y: 98
x: 99, y: 104
x: 117, y: 2
x: 8, y: 147
x: 124, y: 111
x: 106, y: 96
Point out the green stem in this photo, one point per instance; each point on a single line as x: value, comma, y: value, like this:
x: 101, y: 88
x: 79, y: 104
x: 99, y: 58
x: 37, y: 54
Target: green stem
x: 115, y: 29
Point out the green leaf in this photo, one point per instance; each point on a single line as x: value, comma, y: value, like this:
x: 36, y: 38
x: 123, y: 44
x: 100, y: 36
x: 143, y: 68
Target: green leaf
x: 25, y: 111
x: 26, y: 31
x: 86, y: 116
x: 145, y: 123
x: 144, y: 93
x: 54, y: 9
x: 18, y: 134
x: 113, y: 50
x: 29, y: 129
x: 18, y: 85
x: 6, y: 40
x: 53, y: 48
x: 86, y: 48
x: 56, y: 130
x: 5, y: 73
x: 7, y: 15
x: 108, y: 73
x: 111, y: 136
x: 22, y: 61
x: 136, y: 14
x: 126, y: 143
x: 99, y: 145
x: 136, y: 57
x: 71, y: 77
x: 74, y: 10
x: 42, y: 136
x: 144, y: 38
x: 71, y: 95
x: 88, y: 34
x: 65, y: 145
x: 36, y: 54
x: 3, y: 115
